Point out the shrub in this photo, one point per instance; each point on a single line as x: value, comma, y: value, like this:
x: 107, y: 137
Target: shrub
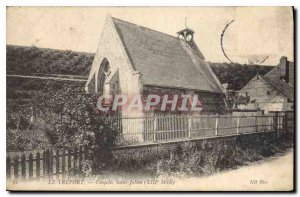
x: 69, y: 119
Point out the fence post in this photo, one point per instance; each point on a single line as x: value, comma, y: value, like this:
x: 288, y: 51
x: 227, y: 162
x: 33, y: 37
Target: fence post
x: 286, y: 122
x: 69, y: 159
x: 277, y: 124
x: 216, y: 129
x: 50, y: 163
x: 190, y: 126
x: 8, y: 168
x: 63, y: 161
x: 238, y: 125
x: 16, y: 167
x: 30, y: 161
x: 47, y: 162
x: 280, y: 124
x: 154, y: 128
x: 75, y: 157
x: 44, y: 164
x: 23, y: 166
x: 270, y: 123
x: 57, y: 163
x: 38, y: 168
x: 80, y: 158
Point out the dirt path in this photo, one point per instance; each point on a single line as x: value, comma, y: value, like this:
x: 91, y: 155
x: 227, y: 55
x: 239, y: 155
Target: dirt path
x: 271, y: 174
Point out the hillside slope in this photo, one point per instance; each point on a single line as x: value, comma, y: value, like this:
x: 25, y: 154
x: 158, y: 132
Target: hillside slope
x: 25, y: 60
x: 29, y: 60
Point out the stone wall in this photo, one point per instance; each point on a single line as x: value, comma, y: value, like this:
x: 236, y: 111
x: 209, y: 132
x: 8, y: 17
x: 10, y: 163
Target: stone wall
x: 152, y: 152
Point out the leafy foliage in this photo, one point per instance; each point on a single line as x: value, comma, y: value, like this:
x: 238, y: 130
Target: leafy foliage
x: 236, y: 75
x: 22, y: 129
x: 233, y: 99
x: 21, y: 134
x: 57, y: 114
x: 69, y: 118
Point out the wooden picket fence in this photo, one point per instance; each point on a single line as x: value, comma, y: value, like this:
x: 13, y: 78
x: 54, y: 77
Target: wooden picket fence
x: 48, y: 164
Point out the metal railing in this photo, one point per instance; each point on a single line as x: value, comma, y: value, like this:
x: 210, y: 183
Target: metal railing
x: 160, y: 128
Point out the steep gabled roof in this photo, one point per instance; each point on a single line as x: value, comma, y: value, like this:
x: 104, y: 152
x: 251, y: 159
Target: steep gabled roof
x: 275, y: 79
x: 281, y: 86
x: 165, y: 60
x: 280, y: 70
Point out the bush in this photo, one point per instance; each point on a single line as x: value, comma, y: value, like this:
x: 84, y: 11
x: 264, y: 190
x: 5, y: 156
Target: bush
x: 70, y: 119
x: 56, y: 114
x: 237, y: 75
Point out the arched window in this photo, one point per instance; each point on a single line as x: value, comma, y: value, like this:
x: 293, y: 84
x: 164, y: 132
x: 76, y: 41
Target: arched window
x: 107, y: 70
x: 103, y: 75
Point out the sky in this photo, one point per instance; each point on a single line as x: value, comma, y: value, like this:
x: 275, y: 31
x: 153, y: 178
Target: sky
x: 257, y: 32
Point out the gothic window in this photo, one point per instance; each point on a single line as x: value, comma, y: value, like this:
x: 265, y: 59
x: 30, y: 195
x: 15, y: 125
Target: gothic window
x: 107, y: 70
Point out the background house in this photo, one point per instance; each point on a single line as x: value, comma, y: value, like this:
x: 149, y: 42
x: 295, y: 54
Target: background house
x: 273, y: 91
